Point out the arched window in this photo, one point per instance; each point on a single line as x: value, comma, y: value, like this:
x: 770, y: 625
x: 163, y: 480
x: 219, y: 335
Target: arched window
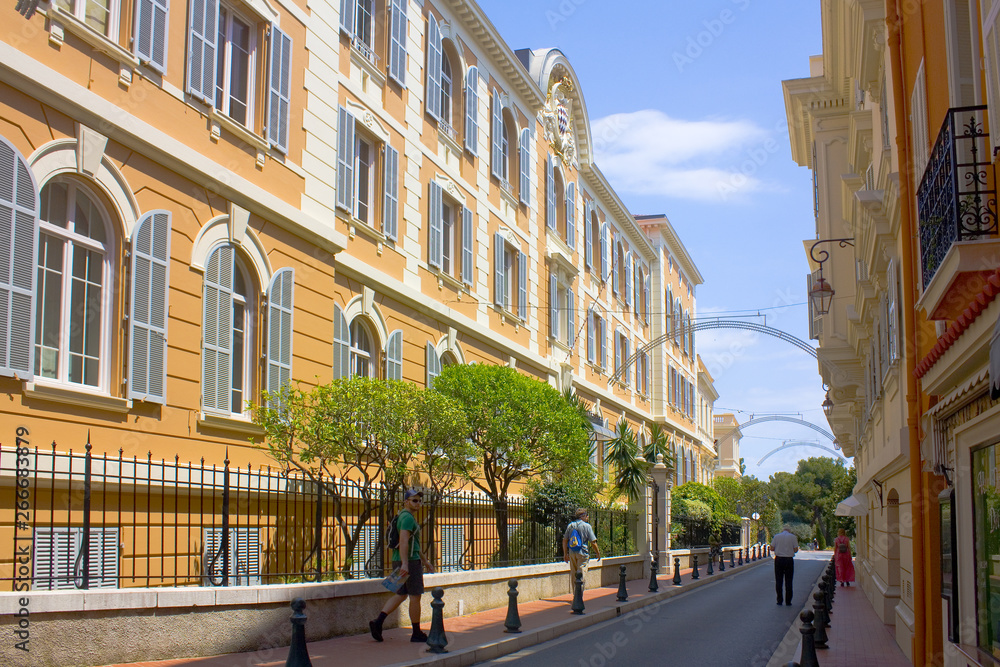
x: 620, y: 267
x: 508, y: 165
x: 595, y: 234
x: 446, y: 87
x: 560, y: 193
x: 362, y: 363
x: 73, y: 286
x: 228, y: 336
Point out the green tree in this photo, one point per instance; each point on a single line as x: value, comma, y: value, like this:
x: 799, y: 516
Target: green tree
x: 521, y: 428
x: 718, y: 506
x: 632, y: 466
x: 810, y: 494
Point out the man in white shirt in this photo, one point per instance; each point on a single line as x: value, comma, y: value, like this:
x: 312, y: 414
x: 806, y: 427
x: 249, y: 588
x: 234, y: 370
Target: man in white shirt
x: 784, y: 545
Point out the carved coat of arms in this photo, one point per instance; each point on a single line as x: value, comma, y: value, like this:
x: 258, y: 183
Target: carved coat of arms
x: 557, y: 118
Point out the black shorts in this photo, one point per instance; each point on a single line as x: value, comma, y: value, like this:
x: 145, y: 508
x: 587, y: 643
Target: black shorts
x: 415, y: 582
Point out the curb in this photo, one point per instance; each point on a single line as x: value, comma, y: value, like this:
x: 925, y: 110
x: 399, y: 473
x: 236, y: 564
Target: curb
x: 506, y: 646
x: 788, y: 648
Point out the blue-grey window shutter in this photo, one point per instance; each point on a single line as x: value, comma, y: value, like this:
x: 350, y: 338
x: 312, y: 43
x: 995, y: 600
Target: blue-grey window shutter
x: 588, y: 235
x: 397, y: 42
x: 590, y: 335
x: 604, y: 251
x: 602, y: 336
x: 570, y: 318
x: 390, y: 208
x: 554, y: 306
x: 524, y: 162
x: 522, y: 286
x: 18, y: 238
x: 618, y: 350
x: 496, y: 136
x: 637, y: 283
x: 394, y: 356
x: 645, y: 383
x: 203, y: 32
x: 615, y: 269
x: 550, y: 194
x: 626, y: 353
x: 280, y: 88
x: 151, y: 32
x: 148, y: 320
x: 472, y: 110
x: 498, y: 270
x: 217, y: 331
x: 347, y: 9
x: 646, y: 295
x: 638, y: 373
x: 571, y: 215
x: 345, y: 159
x: 341, y: 345
x: 433, y: 88
x: 435, y: 228
x: 468, y: 239
x: 628, y: 278
x: 433, y: 364
x: 280, y: 306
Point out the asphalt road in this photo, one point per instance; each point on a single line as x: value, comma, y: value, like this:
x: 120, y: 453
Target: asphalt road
x: 731, y: 623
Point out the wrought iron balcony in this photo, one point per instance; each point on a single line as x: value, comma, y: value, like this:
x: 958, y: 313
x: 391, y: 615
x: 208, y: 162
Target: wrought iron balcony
x: 956, y: 200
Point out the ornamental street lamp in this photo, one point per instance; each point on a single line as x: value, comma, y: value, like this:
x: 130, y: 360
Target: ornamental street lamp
x: 821, y: 293
x: 827, y: 405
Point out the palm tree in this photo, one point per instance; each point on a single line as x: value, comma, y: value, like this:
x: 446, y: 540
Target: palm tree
x: 631, y: 469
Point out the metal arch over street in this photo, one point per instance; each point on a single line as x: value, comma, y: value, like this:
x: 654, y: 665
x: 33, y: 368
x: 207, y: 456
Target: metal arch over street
x: 778, y: 418
x: 800, y: 443
x: 705, y: 325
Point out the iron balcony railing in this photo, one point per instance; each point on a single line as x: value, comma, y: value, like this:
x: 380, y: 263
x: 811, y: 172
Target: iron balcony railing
x: 956, y: 200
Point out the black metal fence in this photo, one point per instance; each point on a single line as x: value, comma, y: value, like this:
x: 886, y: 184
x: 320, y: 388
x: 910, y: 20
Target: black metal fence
x: 165, y: 523
x: 694, y: 533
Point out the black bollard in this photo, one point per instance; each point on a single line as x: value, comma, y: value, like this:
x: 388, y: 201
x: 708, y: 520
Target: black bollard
x: 694, y: 570
x: 577, y: 607
x: 819, y: 613
x: 828, y: 586
x: 824, y: 593
x: 437, y: 639
x: 740, y: 561
x: 298, y: 654
x: 710, y: 561
x: 808, y: 658
x: 654, y: 585
x: 677, y: 571
x: 753, y: 552
x: 513, y: 621
x: 622, y: 590
x: 722, y: 561
x: 732, y: 560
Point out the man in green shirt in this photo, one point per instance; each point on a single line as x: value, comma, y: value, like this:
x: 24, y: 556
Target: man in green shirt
x: 414, y: 565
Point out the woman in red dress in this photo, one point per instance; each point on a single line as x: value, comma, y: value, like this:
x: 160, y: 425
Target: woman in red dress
x: 842, y: 558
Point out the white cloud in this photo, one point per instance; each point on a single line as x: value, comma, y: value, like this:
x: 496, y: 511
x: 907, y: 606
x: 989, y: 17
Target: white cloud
x: 649, y: 153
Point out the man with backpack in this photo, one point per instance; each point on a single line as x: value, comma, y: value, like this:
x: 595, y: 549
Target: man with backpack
x: 577, y: 540
x: 411, y: 568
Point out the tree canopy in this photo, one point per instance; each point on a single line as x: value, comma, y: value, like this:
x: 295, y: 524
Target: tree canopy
x: 810, y: 494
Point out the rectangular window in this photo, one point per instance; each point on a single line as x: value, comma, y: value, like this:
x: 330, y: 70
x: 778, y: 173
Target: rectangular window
x: 363, y: 565
x: 452, y: 545
x: 244, y: 557
x: 365, y: 169
x: 234, y: 75
x: 448, y: 237
x: 986, y: 527
x: 58, y: 558
x: 99, y: 15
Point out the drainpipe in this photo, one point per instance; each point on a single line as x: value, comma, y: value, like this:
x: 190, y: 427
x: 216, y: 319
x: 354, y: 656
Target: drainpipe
x: 907, y: 230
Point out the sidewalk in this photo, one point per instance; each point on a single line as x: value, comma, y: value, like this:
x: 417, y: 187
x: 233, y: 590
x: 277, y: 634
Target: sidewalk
x: 472, y: 638
x: 856, y: 636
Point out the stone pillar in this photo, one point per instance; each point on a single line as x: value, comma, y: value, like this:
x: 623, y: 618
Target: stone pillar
x: 663, y: 481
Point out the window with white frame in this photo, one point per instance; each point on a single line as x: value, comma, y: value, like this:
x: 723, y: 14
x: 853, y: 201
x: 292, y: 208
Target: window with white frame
x: 596, y: 339
x: 234, y: 79
x: 73, y: 286
x: 524, y: 166
x: 446, y: 88
x: 562, y: 309
x: 892, y: 311
x: 451, y: 236
x: 362, y: 363
x: 510, y: 277
x: 364, y: 164
x: 592, y: 236
x: 472, y: 110
x: 364, y: 563
x: 101, y: 16
x: 243, y: 561
x: 452, y: 546
x: 58, y: 553
x: 622, y: 353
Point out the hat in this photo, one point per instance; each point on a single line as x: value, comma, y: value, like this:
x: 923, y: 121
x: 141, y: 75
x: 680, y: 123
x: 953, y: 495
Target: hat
x: 410, y: 493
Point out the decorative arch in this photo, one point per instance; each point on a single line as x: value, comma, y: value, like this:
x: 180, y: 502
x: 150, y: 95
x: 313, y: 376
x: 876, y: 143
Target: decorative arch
x: 449, y: 344
x: 364, y: 306
x: 232, y: 229
x: 85, y: 157
x: 548, y: 65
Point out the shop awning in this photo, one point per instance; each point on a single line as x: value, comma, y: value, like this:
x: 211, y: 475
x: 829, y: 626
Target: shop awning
x: 854, y: 505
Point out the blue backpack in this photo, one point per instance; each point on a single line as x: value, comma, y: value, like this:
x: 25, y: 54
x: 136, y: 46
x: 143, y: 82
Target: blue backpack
x: 575, y: 539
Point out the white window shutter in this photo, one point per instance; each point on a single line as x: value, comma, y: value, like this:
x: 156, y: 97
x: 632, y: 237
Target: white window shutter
x: 202, y: 33
x: 472, y: 110
x: 554, y: 306
x: 151, y: 32
x: 893, y: 314
x: 588, y: 235
x: 602, y: 336
x: 280, y: 306
x: 18, y: 239
x: 522, y: 286
x: 397, y: 42
x: 628, y: 279
x: 496, y: 136
x: 341, y: 345
x: 390, y: 208
x: 550, y: 193
x: 217, y: 330
x: 468, y: 241
x: 347, y: 9
x: 571, y: 215
x: 148, y: 318
x: 604, y: 251
x: 345, y: 159
x: 434, y: 52
x: 524, y: 162
x: 394, y: 356
x: 646, y: 295
x: 638, y: 373
x: 498, y: 269
x: 645, y: 382
x: 615, y: 269
x: 280, y: 89
x: 570, y: 318
x: 590, y: 335
x: 626, y: 353
x: 636, y: 287
x: 435, y: 227
x: 433, y: 365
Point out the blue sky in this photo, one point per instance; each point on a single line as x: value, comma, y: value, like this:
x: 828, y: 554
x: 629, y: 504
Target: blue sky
x: 687, y: 113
